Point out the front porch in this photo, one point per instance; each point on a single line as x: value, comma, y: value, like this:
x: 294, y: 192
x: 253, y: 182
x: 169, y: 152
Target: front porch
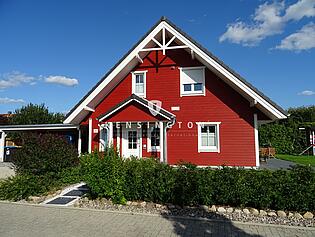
x: 135, y: 127
x: 135, y: 139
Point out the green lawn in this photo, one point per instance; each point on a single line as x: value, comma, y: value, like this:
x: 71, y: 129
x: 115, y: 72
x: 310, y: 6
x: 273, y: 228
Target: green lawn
x: 304, y: 160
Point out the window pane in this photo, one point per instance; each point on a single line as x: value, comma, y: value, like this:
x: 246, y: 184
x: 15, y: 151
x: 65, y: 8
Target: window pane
x: 139, y: 78
x: 198, y: 87
x: 204, y: 140
x: 139, y: 88
x: 208, y: 135
x: 155, y: 137
x: 187, y: 87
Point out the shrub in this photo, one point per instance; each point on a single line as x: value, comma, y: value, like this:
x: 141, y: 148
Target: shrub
x: 44, y: 153
x: 149, y: 180
x: 24, y: 185
x: 104, y: 174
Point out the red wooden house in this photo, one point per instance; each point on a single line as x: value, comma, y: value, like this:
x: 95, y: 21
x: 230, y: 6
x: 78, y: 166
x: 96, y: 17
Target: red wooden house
x: 168, y: 97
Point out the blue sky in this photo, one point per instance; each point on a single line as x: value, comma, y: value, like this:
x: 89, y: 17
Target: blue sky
x: 53, y: 52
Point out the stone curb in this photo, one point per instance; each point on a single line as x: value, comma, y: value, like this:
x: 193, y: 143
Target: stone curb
x: 156, y: 215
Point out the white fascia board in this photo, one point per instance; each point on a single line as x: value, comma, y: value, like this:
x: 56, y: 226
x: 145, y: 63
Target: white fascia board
x: 38, y: 128
x: 124, y: 63
x: 225, y: 73
x: 127, y: 102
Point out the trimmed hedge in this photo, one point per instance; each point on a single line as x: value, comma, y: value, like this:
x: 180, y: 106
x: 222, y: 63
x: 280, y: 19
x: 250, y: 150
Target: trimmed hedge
x: 147, y: 179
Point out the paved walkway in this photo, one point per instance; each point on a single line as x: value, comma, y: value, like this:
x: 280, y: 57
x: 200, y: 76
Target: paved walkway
x: 6, y: 170
x: 275, y: 164
x: 30, y: 220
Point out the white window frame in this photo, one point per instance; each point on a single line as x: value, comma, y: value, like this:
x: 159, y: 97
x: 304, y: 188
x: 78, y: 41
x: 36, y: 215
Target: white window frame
x: 192, y: 93
x: 144, y: 83
x: 149, y: 148
x: 209, y: 148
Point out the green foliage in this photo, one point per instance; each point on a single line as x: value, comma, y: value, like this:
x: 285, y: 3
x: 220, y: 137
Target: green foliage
x: 35, y: 114
x: 44, y: 153
x: 104, y: 174
x: 285, y: 135
x: 24, y: 185
x: 146, y: 179
x: 149, y: 180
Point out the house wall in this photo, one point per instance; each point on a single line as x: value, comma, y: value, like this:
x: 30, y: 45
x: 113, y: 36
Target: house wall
x: 220, y: 104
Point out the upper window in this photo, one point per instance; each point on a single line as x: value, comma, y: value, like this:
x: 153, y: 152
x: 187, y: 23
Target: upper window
x: 139, y: 83
x: 208, y: 137
x: 192, y: 81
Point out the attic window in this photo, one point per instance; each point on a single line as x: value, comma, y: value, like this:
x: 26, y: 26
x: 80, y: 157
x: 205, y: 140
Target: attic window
x: 192, y: 81
x: 139, y: 83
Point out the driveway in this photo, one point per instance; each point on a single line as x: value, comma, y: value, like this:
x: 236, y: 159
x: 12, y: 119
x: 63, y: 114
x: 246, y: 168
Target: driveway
x: 30, y: 220
x: 275, y: 164
x: 6, y: 170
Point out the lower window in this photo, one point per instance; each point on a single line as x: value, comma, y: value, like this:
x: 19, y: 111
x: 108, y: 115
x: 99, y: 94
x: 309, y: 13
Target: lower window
x: 208, y: 137
x: 153, y: 138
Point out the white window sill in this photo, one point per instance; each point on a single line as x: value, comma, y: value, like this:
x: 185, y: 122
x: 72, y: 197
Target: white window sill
x: 209, y: 149
x: 192, y: 94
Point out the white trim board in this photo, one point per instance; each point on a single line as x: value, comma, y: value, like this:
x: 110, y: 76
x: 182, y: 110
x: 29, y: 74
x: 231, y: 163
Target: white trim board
x: 132, y: 59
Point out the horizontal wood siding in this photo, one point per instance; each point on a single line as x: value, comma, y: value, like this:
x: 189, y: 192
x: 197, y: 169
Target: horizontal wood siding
x: 221, y: 104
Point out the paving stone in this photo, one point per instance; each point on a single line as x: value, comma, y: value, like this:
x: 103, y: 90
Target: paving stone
x: 36, y: 221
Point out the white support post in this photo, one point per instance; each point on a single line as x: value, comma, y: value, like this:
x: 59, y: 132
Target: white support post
x: 161, y: 141
x: 118, y: 139
x: 79, y: 141
x: 256, y: 140
x: 313, y: 137
x: 2, y: 144
x: 90, y: 135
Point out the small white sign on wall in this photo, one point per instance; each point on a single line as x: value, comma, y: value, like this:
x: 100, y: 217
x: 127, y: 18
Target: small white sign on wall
x: 95, y: 130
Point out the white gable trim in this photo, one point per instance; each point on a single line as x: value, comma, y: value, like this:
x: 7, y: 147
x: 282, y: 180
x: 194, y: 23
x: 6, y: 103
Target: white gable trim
x: 210, y: 63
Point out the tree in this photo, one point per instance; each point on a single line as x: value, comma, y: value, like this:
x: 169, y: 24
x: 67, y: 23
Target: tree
x: 284, y: 135
x: 36, y: 114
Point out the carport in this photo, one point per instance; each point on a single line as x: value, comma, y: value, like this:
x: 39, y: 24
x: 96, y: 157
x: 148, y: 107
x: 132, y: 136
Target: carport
x: 64, y: 129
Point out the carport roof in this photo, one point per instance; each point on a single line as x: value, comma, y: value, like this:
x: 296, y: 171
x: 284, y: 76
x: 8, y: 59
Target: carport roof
x: 25, y: 127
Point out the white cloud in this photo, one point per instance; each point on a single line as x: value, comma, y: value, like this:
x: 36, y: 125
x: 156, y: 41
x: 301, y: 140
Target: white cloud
x: 14, y: 79
x: 307, y: 93
x: 303, y: 8
x: 62, y: 80
x: 7, y: 100
x: 303, y: 39
x: 269, y: 19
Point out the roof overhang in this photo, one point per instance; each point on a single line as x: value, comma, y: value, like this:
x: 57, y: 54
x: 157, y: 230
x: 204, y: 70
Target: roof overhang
x: 153, y: 108
x: 35, y: 127
x: 131, y: 59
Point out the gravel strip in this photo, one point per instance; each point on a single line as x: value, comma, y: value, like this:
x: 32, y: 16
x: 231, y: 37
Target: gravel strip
x: 213, y: 212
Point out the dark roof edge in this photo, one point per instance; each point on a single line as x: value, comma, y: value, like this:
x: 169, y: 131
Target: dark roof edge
x: 140, y: 100
x: 163, y: 18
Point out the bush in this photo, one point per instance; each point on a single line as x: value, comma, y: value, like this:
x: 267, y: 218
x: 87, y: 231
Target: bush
x: 149, y: 180
x: 104, y: 174
x: 44, y: 153
x: 24, y: 185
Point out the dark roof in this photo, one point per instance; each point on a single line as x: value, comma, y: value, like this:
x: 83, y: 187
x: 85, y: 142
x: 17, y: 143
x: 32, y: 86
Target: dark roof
x: 38, y: 126
x: 163, y: 18
x: 140, y: 100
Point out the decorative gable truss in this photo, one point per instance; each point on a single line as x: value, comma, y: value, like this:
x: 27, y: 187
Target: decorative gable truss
x: 166, y: 36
